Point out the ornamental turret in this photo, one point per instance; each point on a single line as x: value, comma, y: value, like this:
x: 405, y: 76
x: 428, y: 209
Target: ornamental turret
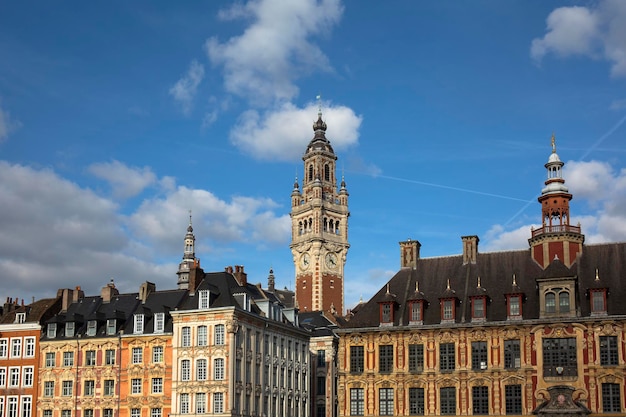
x: 189, y: 258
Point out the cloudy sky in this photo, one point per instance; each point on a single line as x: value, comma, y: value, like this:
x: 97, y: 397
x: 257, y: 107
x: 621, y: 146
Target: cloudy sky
x: 117, y: 118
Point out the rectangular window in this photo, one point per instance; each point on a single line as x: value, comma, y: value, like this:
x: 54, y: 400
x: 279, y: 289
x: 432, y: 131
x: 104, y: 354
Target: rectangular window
x: 514, y: 306
x: 218, y: 369
x: 479, y: 356
x: 416, y: 358
x: 416, y: 312
x: 385, y: 401
x: 447, y: 360
x: 478, y: 308
x: 20, y: 317
x: 3, y: 377
x: 185, y: 370
x: 107, y: 412
x: 608, y: 351
x: 135, y: 386
x: 27, y: 380
x: 157, y: 385
x: 48, y: 389
x: 69, y: 329
x: 138, y: 324
x: 156, y: 412
x: 512, y: 358
x: 92, y: 327
x: 67, y: 388
x: 385, y: 313
x: 4, y: 343
x: 27, y: 406
x: 184, y: 403
x: 416, y: 401
x: 68, y: 358
x: 513, y: 399
x: 356, y: 359
x: 16, y: 347
x: 611, y: 402
x: 598, y: 301
x: 109, y: 387
x: 218, y: 403
x: 357, y: 401
x: 321, y: 385
x: 157, y: 354
x: 202, y: 335
x: 86, y: 413
x: 109, y: 356
x: 447, y: 401
x: 51, y: 331
x: 14, y: 377
x: 159, y: 322
x: 203, y: 299
x: 66, y: 413
x: 480, y: 400
x: 50, y: 359
x: 385, y: 359
x: 46, y: 413
x: 135, y: 412
x: 12, y: 407
x: 321, y: 358
x: 219, y: 334
x: 111, y: 326
x: 90, y: 386
x: 90, y: 358
x: 448, y: 310
x: 29, y: 348
x: 137, y: 355
x: 200, y: 403
x: 201, y: 369
x: 186, y: 337
x: 559, y: 357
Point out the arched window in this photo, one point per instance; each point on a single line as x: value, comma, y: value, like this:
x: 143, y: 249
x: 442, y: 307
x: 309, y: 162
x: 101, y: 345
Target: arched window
x: 550, y: 302
x: 563, y: 302
x: 327, y: 172
x: 311, y: 172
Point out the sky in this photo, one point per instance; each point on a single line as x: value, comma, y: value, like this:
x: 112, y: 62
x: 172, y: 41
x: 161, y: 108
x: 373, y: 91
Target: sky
x: 118, y: 118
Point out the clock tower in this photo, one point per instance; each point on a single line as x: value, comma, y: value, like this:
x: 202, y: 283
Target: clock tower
x: 319, y: 228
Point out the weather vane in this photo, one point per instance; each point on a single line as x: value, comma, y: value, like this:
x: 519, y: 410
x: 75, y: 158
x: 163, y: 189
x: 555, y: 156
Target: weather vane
x: 319, y: 103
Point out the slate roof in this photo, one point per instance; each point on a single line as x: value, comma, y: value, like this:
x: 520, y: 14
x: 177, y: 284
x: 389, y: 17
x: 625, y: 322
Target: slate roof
x: 496, y: 270
x: 156, y: 302
x: 36, y: 312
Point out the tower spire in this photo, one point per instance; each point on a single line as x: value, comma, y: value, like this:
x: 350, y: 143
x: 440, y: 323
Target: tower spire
x: 189, y: 257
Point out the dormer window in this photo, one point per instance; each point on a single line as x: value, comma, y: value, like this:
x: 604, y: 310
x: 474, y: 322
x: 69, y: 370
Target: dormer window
x: 92, y: 326
x: 514, y: 306
x: 69, y: 329
x: 447, y: 310
x: 52, y: 331
x: 386, y: 314
x: 598, y: 301
x: 20, y: 317
x: 416, y: 311
x: 111, y: 326
x: 244, y: 300
x: 159, y: 322
x: 138, y: 324
x: 203, y: 299
x: 479, y: 308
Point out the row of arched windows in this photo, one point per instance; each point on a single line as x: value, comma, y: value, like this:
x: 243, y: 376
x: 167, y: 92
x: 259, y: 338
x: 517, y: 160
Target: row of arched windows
x: 329, y: 226
x: 327, y: 172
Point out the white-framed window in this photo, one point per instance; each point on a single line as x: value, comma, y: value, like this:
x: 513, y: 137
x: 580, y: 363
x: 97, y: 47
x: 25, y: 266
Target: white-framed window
x: 90, y: 387
x: 109, y: 387
x: 4, y: 348
x: 135, y: 412
x: 68, y: 358
x: 14, y: 377
x: 69, y: 329
x: 86, y: 413
x: 201, y: 403
x: 16, y: 347
x: 137, y: 355
x: 50, y: 359
x: 92, y: 327
x: 51, y: 331
x: 111, y: 326
x: 12, y: 406
x: 157, y: 354
x: 219, y: 334
x: 202, y: 333
x: 66, y: 413
x: 184, y: 403
x: 48, y: 413
x: 156, y: 412
x: 157, y: 385
x: 90, y: 358
x: 3, y: 377
x: 109, y: 357
x: 48, y: 389
x: 138, y: 325
x: 20, y: 318
x: 218, y: 403
x: 185, y: 370
x: 67, y: 388
x: 27, y: 379
x: 218, y: 369
x: 107, y: 412
x: 201, y: 369
x: 186, y: 336
x: 135, y: 386
x: 29, y: 347
x: 27, y: 406
x: 159, y: 322
x: 203, y: 299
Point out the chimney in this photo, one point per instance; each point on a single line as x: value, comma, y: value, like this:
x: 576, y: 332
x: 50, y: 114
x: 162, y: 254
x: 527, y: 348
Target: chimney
x: 409, y: 253
x: 271, y: 281
x: 145, y: 290
x: 68, y: 296
x: 470, y: 249
x: 240, y: 276
x: 78, y: 294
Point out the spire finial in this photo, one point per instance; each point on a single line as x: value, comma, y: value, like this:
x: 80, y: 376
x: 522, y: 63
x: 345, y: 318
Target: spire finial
x: 514, y: 280
x: 448, y: 285
x: 417, y: 286
x: 553, y: 141
x: 478, y: 286
x: 387, y: 288
x: 597, y: 275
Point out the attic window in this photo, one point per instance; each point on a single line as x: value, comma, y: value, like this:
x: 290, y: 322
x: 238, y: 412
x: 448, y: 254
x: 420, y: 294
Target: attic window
x: 20, y: 317
x: 479, y: 308
x: 138, y: 325
x: 92, y: 326
x: 386, y: 314
x: 69, y: 329
x: 447, y: 310
x: 111, y: 326
x: 52, y: 330
x: 598, y: 301
x: 159, y: 322
x: 203, y: 299
x: 416, y: 311
x: 244, y: 300
x: 514, y: 307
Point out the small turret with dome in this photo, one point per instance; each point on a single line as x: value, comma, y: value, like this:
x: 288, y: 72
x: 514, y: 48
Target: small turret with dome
x: 189, y: 257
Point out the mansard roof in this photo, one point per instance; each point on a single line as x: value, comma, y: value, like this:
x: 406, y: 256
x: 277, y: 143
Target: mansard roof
x: 496, y: 270
x: 37, y: 312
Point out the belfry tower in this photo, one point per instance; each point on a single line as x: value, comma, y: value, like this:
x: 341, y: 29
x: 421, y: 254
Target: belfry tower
x: 556, y: 237
x: 189, y: 258
x: 319, y: 228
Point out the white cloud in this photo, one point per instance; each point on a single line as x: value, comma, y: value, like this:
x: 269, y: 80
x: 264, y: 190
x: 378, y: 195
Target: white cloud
x: 279, y: 134
x: 124, y: 180
x: 186, y: 88
x: 7, y: 124
x: 596, y: 32
x: 618, y: 105
x: 499, y: 239
x: 262, y: 63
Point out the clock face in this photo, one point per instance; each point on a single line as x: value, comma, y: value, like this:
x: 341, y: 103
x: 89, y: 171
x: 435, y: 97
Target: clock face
x: 305, y: 261
x: 331, y: 260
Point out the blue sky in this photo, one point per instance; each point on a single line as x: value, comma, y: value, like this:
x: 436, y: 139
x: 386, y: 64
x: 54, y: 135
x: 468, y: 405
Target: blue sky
x: 118, y: 118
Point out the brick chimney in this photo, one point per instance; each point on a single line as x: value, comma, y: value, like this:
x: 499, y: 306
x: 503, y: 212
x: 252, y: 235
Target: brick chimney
x: 409, y: 253
x: 470, y: 249
x: 196, y: 274
x: 145, y: 289
x: 240, y: 276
